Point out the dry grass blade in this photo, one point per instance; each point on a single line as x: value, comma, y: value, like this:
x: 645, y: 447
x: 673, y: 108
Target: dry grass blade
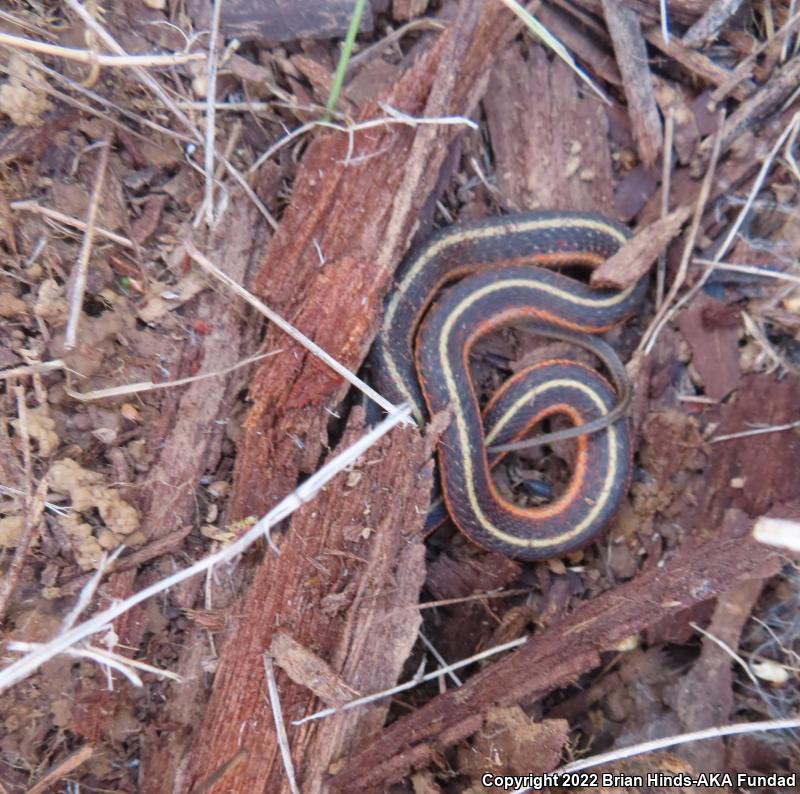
x: 145, y: 386
x: 673, y: 741
x: 544, y: 35
x: 289, y: 329
x: 33, y: 506
x: 650, y: 336
x: 96, y: 59
x: 662, y: 9
x: 750, y: 270
x: 350, y: 129
x: 756, y: 431
x: 416, y: 681
x: 159, y: 92
x: 727, y: 649
x: 280, y: 727
x: 60, y: 217
x: 79, y: 284
x: 663, y: 316
x: 211, y: 93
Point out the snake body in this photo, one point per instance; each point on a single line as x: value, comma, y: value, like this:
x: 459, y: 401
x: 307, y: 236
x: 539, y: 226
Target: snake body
x: 422, y: 352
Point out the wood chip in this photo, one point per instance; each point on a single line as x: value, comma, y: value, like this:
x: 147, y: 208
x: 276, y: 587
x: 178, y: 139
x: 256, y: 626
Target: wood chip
x: 634, y: 259
x: 631, y: 52
x: 511, y: 743
x: 713, y: 330
x: 304, y: 667
x: 546, y: 132
x: 709, y: 25
x: 403, y: 10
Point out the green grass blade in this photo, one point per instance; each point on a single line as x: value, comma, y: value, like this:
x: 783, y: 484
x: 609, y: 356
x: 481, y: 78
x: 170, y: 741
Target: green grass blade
x: 344, y: 57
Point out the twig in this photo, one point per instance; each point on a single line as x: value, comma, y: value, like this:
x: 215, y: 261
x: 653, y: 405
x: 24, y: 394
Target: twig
x: 654, y: 329
x: 95, y: 59
x: 79, y: 285
x: 232, y: 107
x: 286, y: 327
x: 31, y: 369
x: 19, y: 22
x: 698, y: 64
x: 714, y: 17
x: 727, y: 649
x: 789, y: 155
x: 630, y: 51
x: 62, y: 769
x: 155, y: 548
x: 744, y: 67
x: 777, y: 532
x: 211, y: 93
x: 439, y: 658
x: 416, y: 681
x: 776, y: 94
x: 32, y: 515
x: 788, y: 27
x: 144, y: 386
x: 391, y: 38
x: 666, y: 177
x: 700, y: 399
x: 20, y: 669
x: 280, y: 727
x: 31, y: 206
x: 33, y: 505
x: 445, y: 602
x: 650, y: 336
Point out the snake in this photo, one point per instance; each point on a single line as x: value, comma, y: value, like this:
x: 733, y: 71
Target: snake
x: 474, y: 278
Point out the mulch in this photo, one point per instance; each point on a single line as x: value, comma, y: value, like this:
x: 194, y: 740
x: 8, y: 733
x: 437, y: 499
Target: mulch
x: 675, y: 620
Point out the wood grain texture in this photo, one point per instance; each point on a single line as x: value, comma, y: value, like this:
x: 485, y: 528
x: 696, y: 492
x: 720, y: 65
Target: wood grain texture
x: 345, y: 586
x: 355, y: 202
x: 549, y: 134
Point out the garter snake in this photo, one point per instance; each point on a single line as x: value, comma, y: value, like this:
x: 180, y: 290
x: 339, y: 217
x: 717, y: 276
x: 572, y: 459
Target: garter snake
x: 422, y: 351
